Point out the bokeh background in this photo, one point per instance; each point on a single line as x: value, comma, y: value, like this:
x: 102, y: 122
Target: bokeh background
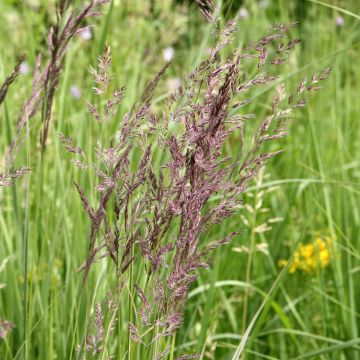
x: 304, y: 205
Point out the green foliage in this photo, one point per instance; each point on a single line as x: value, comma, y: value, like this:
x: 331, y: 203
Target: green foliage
x: 314, y: 183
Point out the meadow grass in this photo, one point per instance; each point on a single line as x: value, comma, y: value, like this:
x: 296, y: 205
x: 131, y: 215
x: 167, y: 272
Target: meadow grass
x: 314, y: 183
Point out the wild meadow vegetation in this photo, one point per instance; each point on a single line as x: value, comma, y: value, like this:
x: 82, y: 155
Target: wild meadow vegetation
x: 179, y: 179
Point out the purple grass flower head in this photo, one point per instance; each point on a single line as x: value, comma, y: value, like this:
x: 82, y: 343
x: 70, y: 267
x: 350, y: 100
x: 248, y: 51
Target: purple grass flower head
x: 47, y: 74
x: 10, y: 79
x: 9, y: 178
x: 156, y: 214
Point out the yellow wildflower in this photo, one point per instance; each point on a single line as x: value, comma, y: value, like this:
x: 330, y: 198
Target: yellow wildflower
x: 307, y: 251
x: 294, y: 265
x: 310, y: 257
x: 324, y: 257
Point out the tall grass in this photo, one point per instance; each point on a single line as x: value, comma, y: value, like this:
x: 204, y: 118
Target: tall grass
x: 317, y: 190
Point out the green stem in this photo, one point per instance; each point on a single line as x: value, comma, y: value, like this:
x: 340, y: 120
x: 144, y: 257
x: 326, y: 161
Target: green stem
x: 248, y: 270
x: 172, y: 349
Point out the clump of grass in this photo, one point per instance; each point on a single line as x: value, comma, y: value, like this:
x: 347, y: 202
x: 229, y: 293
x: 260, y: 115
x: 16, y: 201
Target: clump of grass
x: 46, y: 77
x: 156, y: 216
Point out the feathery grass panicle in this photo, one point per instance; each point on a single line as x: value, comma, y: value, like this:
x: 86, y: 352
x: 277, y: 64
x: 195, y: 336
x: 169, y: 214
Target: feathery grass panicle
x: 207, y: 9
x: 10, y: 79
x: 46, y: 78
x: 8, y: 179
x: 161, y: 215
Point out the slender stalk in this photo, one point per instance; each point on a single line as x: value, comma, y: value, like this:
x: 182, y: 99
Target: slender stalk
x: 248, y: 269
x: 26, y: 245
x: 172, y: 349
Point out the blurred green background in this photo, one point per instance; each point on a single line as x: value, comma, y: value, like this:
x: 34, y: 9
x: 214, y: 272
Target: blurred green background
x: 311, y: 190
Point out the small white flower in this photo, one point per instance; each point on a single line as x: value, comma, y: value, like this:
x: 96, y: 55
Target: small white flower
x: 264, y: 4
x: 243, y: 13
x: 168, y: 53
x: 86, y: 34
x: 24, y: 68
x: 340, y: 20
x: 173, y: 84
x: 75, y: 91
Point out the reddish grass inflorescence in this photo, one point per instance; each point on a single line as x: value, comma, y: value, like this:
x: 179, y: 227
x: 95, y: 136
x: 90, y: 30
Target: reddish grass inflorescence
x: 160, y: 212
x: 45, y: 79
